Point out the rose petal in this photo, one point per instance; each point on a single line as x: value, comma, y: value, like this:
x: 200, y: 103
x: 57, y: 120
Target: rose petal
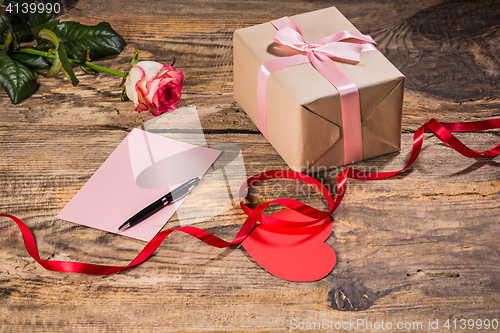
x: 134, y: 76
x: 141, y: 107
x: 150, y: 68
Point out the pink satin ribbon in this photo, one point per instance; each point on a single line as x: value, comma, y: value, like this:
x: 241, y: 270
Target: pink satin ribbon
x: 343, y: 46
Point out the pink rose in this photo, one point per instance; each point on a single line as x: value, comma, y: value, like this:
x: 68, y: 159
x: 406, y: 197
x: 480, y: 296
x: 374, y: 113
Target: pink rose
x: 153, y: 86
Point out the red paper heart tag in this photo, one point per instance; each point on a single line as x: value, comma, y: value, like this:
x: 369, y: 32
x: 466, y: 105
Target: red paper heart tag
x: 293, y: 254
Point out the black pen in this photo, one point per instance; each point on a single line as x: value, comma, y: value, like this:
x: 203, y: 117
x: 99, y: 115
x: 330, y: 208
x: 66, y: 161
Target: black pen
x: 168, y: 198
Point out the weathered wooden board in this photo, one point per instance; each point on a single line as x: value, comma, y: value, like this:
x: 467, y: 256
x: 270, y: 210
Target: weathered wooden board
x: 420, y: 246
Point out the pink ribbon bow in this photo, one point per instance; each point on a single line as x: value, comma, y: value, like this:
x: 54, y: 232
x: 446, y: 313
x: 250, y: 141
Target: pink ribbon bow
x: 344, y: 46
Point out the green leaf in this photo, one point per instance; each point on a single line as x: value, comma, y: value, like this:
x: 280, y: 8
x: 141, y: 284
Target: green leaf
x: 123, y: 95
x: 7, y: 42
x: 68, y: 70
x: 5, y: 27
x: 18, y: 81
x: 27, y: 25
x: 55, y: 68
x: 50, y: 36
x: 21, y: 30
x: 32, y: 61
x: 42, y: 20
x: 101, y: 39
x: 57, y: 65
x: 3, y: 23
x: 18, y: 28
x: 135, y: 59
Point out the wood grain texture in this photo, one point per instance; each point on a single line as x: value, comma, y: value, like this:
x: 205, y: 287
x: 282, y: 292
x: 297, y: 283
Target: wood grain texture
x: 417, y: 247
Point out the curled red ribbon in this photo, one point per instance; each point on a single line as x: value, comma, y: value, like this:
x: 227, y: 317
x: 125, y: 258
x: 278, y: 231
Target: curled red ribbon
x: 440, y: 130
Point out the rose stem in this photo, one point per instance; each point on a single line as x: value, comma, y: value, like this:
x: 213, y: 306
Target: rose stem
x: 76, y: 62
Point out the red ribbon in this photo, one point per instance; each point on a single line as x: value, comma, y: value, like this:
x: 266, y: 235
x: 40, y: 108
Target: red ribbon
x: 440, y: 130
x: 344, y: 46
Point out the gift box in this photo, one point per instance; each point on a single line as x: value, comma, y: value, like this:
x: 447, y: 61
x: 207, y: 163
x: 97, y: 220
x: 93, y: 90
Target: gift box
x: 319, y: 91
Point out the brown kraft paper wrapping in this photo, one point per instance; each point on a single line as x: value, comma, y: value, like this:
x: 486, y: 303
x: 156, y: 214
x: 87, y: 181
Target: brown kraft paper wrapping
x: 304, y: 117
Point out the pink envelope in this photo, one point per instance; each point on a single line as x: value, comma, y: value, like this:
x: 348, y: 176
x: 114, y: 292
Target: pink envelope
x: 143, y: 168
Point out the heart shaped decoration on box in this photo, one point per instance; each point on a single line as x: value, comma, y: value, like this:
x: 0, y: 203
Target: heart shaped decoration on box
x: 293, y: 254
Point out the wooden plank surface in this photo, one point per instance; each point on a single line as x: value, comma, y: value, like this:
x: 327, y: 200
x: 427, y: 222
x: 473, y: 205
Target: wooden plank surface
x: 416, y: 248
